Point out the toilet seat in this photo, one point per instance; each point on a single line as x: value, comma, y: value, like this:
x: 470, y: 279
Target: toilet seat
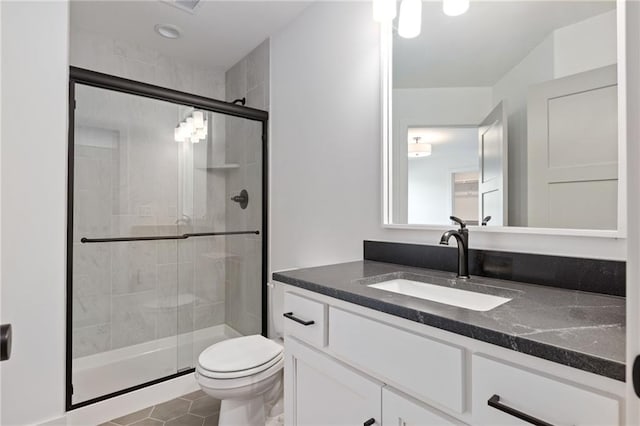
x: 239, y: 374
x: 239, y: 357
x: 240, y: 382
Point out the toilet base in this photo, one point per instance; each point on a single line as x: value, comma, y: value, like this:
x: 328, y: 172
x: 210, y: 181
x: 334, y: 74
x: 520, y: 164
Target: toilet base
x: 242, y: 412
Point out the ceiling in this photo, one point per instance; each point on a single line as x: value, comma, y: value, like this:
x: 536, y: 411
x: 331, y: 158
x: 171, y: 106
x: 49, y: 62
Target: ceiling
x: 480, y: 46
x: 217, y: 34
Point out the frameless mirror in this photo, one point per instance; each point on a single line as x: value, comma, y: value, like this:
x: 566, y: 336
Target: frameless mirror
x: 506, y: 115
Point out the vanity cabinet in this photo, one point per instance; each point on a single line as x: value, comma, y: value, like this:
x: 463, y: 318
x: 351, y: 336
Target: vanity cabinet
x: 534, y: 395
x: 320, y: 391
x: 349, y: 365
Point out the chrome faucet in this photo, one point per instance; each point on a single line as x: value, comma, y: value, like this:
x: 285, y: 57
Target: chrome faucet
x: 462, y: 238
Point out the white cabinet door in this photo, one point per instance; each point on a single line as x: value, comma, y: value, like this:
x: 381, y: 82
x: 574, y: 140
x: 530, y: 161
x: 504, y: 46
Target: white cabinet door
x: 320, y: 391
x: 398, y: 410
x: 573, y: 151
x: 493, y: 153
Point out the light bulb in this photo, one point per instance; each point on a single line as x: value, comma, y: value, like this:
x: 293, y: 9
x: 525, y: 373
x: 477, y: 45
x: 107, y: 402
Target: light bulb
x: 455, y: 7
x: 198, y: 119
x: 410, y: 18
x: 177, y: 134
x: 189, y: 124
x: 184, y: 131
x: 384, y: 10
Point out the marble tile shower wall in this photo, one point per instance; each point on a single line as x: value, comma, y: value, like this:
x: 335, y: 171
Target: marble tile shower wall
x: 126, y: 293
x: 248, y: 78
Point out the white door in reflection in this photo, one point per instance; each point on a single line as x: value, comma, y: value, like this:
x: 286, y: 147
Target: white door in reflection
x: 573, y: 151
x: 492, y: 134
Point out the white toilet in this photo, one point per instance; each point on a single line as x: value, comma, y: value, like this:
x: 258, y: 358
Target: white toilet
x: 245, y: 373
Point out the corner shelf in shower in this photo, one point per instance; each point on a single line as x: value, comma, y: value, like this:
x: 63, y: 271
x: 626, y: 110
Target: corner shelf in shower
x: 226, y: 166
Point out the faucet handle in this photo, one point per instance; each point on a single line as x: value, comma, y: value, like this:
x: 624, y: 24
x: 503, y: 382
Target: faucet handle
x: 486, y: 220
x: 458, y: 221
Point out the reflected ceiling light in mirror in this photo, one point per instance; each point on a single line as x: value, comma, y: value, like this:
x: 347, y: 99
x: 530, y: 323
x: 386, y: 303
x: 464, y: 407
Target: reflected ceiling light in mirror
x: 419, y: 149
x: 192, y: 129
x: 384, y: 10
x: 410, y: 20
x: 455, y: 7
x: 428, y: 135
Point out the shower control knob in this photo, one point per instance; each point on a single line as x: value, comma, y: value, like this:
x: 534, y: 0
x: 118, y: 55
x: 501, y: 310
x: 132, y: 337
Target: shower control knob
x: 242, y: 199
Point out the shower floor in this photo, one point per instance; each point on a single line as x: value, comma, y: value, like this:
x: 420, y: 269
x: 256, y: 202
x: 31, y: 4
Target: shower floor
x: 107, y: 372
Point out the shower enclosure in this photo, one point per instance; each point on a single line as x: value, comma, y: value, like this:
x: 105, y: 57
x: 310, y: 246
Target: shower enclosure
x: 166, y: 249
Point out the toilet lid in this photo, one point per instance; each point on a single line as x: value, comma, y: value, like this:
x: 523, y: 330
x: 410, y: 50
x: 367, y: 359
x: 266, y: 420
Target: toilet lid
x: 239, y: 354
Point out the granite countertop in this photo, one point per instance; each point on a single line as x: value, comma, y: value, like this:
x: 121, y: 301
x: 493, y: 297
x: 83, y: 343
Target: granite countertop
x: 579, y: 329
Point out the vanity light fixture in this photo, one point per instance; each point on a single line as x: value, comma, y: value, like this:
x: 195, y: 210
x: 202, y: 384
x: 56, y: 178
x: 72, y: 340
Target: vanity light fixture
x: 192, y: 129
x: 168, y: 31
x: 384, y: 10
x: 419, y: 149
x: 410, y: 20
x: 455, y: 7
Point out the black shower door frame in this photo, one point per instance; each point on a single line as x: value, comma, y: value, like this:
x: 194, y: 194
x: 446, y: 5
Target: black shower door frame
x: 123, y: 85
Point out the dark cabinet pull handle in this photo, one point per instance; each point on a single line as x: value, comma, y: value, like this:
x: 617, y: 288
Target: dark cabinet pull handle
x: 635, y: 373
x: 369, y: 422
x: 494, y: 402
x: 5, y: 342
x: 298, y: 320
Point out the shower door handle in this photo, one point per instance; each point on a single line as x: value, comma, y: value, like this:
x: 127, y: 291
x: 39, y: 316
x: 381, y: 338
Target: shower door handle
x: 85, y: 240
x: 5, y: 342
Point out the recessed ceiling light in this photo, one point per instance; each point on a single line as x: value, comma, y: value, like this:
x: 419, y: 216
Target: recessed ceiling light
x: 168, y: 31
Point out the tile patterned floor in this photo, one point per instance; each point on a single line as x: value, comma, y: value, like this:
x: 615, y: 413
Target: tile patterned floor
x: 194, y: 409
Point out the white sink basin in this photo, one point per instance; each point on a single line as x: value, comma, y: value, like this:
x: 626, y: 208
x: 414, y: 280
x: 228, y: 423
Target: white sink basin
x: 437, y: 293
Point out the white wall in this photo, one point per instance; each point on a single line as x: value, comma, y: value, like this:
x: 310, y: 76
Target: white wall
x: 512, y: 88
x: 585, y: 45
x: 441, y: 106
x: 326, y: 148
x: 34, y: 150
x: 325, y: 135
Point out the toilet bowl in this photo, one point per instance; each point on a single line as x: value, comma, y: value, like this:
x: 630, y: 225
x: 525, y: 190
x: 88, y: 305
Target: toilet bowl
x: 245, y: 373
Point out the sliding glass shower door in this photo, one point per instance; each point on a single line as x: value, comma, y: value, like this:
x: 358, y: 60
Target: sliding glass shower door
x: 166, y: 233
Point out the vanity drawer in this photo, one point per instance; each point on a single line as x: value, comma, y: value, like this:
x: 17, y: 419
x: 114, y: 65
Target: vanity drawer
x: 541, y: 397
x: 305, y: 319
x: 427, y: 369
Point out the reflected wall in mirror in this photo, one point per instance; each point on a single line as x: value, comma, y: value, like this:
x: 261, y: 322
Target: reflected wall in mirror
x: 507, y: 111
